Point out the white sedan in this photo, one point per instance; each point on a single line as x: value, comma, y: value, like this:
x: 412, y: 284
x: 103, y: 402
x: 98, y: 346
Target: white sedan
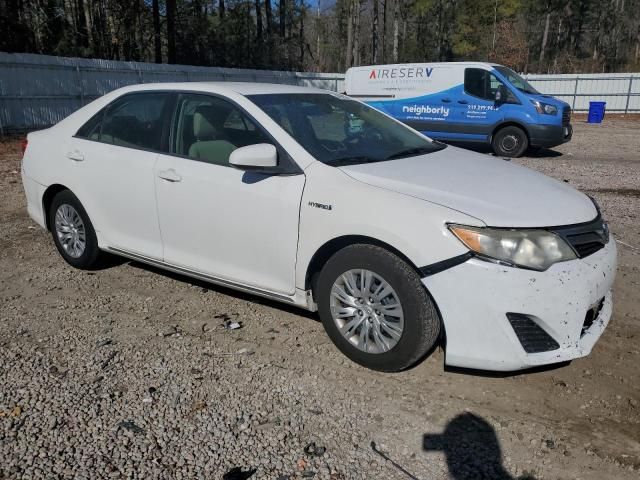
x: 317, y: 200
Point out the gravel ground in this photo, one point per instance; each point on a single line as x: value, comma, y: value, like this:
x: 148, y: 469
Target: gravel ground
x: 127, y: 372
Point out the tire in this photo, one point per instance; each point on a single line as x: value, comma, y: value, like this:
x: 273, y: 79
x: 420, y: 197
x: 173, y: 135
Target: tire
x: 420, y: 324
x: 65, y: 214
x: 510, y: 142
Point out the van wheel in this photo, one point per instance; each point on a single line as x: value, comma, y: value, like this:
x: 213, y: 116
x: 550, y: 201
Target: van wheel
x: 510, y: 142
x: 72, y: 231
x: 375, y: 309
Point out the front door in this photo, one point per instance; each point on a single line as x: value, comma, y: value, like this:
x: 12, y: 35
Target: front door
x: 476, y: 110
x: 216, y: 219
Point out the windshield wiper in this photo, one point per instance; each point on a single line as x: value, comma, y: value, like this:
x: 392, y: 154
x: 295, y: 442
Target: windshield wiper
x: 355, y: 160
x: 411, y: 152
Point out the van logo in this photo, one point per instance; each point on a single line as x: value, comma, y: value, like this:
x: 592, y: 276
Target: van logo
x: 400, y: 72
x: 320, y: 205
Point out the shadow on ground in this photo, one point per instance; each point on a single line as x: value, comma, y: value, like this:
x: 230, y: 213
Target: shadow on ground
x: 471, y: 449
x: 531, y: 152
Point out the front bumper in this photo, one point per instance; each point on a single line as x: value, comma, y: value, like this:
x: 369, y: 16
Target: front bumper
x: 547, y: 136
x: 474, y: 298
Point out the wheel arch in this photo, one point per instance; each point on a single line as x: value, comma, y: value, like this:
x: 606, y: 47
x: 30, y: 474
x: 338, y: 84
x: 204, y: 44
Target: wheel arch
x: 322, y: 254
x: 510, y: 123
x: 47, y: 198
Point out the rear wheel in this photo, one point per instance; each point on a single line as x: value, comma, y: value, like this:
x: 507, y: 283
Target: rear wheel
x: 72, y: 231
x: 375, y: 308
x: 510, y: 142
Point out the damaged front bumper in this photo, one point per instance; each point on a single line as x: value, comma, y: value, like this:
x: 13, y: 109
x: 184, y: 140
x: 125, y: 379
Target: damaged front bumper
x: 554, y: 316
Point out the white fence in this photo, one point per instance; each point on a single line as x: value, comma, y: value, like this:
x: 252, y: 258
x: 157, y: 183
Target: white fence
x: 37, y: 91
x: 621, y: 91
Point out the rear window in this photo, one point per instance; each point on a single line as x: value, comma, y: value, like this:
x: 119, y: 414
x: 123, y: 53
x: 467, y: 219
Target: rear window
x: 134, y: 120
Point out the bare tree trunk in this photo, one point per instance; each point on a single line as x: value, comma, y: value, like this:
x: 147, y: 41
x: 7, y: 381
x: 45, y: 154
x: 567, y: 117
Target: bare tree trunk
x: 545, y: 36
x: 88, y: 23
x: 259, y: 19
x: 395, y: 31
x: 171, y: 31
x: 374, y: 33
x: 302, y: 42
x: 283, y: 18
x: 356, y: 33
x: 221, y: 9
x: 383, y: 48
x: 349, y: 57
x: 269, y: 14
x: 157, y: 39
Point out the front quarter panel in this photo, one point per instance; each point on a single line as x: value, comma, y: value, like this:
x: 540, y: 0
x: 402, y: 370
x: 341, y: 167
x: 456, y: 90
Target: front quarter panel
x: 335, y: 205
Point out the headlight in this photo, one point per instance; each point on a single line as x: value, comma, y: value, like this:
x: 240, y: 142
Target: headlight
x: 544, y: 108
x: 534, y: 249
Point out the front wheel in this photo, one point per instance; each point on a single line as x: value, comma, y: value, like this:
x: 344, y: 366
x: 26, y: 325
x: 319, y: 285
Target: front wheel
x: 510, y: 142
x: 375, y: 309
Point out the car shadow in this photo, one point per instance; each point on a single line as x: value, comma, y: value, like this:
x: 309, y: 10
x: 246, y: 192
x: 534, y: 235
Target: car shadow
x: 486, y: 149
x: 513, y: 373
x: 249, y: 297
x: 471, y: 448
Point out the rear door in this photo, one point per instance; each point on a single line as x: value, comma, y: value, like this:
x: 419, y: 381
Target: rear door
x: 113, y: 157
x: 215, y: 219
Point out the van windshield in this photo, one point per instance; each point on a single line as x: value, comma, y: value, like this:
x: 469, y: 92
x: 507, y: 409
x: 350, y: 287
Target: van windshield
x: 339, y: 131
x: 516, y: 80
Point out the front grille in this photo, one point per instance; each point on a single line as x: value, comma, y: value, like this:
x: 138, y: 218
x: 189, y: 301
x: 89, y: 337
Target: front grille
x: 532, y: 337
x: 586, y: 238
x: 590, y: 317
x: 566, y: 116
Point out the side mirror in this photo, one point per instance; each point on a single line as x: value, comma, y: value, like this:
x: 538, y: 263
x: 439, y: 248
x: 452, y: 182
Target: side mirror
x: 254, y: 157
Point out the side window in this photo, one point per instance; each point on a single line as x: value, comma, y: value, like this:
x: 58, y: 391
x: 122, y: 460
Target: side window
x: 135, y: 121
x: 91, y: 129
x: 481, y: 83
x: 209, y: 129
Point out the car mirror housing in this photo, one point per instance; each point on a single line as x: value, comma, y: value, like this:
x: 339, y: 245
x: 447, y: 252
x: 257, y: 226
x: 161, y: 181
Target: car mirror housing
x: 255, y: 157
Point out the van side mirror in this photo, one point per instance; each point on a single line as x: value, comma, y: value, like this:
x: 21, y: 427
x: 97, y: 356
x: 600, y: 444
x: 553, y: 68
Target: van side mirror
x: 254, y: 157
x: 501, y: 94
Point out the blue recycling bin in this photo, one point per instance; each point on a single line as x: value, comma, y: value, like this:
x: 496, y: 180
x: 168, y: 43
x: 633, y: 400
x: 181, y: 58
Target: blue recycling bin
x: 596, y: 112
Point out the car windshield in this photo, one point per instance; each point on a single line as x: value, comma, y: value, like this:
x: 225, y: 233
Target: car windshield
x: 516, y: 80
x: 339, y: 131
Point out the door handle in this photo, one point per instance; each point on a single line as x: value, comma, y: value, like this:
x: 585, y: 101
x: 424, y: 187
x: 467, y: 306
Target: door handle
x: 463, y: 102
x: 75, y: 155
x: 169, y: 175
x: 446, y: 100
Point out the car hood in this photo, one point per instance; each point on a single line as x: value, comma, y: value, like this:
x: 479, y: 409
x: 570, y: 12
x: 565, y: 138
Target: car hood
x: 498, y: 192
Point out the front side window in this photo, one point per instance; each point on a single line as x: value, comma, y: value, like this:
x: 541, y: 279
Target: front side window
x: 135, y: 120
x: 209, y: 128
x: 338, y: 131
x: 481, y: 83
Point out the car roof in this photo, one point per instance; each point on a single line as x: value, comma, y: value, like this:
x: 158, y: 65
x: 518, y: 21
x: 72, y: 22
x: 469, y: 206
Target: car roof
x: 415, y: 64
x: 242, y: 88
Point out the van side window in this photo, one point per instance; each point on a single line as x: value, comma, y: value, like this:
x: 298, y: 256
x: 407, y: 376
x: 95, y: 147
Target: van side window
x: 481, y: 83
x: 209, y: 128
x: 135, y: 120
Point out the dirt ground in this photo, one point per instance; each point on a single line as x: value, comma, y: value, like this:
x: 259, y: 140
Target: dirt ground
x: 81, y: 352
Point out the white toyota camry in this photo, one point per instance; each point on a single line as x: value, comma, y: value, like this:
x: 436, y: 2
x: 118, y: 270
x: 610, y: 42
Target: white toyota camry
x: 317, y: 200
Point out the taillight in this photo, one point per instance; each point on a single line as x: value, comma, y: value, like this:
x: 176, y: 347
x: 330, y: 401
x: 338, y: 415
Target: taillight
x: 24, y: 144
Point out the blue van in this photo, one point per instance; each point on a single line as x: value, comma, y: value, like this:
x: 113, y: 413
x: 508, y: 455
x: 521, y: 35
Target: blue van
x: 465, y: 102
